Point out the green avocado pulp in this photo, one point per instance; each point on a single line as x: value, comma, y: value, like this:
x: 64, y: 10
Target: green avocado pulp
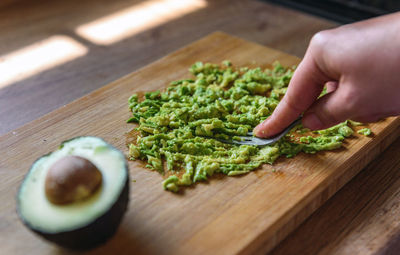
x: 43, y: 216
x: 177, y: 126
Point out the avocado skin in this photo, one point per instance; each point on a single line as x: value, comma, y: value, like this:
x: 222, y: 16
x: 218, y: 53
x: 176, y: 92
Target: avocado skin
x: 95, y: 233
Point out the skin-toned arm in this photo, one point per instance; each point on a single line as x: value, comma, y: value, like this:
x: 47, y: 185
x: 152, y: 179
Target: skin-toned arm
x: 360, y: 65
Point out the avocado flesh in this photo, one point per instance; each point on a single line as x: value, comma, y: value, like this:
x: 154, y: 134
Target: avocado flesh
x: 83, y: 224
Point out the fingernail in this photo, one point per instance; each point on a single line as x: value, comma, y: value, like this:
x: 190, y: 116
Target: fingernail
x: 312, y: 122
x: 260, y: 131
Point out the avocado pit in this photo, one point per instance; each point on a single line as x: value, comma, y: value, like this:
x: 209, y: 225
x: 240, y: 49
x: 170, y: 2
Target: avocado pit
x: 49, y: 200
x: 71, y: 179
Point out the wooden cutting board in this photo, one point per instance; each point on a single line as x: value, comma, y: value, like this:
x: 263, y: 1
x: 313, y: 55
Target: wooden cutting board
x: 227, y: 215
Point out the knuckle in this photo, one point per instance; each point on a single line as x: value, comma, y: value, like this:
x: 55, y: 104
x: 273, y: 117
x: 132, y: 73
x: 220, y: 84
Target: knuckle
x: 346, y: 106
x: 320, y: 39
x: 327, y: 118
x: 351, y: 102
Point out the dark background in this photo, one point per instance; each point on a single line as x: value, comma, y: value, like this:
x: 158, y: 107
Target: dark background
x: 343, y: 11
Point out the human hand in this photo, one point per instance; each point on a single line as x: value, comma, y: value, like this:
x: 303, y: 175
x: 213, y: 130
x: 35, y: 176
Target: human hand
x: 360, y: 65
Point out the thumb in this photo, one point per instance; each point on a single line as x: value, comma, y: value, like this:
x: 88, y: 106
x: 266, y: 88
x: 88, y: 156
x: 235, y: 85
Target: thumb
x: 329, y: 110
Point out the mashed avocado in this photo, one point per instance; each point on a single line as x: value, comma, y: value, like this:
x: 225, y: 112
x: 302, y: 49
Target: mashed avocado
x: 177, y: 126
x: 364, y: 131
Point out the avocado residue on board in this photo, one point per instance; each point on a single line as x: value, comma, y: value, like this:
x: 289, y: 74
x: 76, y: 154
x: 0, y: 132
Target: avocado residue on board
x: 177, y: 126
x: 364, y: 131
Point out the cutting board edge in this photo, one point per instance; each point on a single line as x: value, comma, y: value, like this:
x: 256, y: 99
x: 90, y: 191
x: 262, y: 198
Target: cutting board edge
x: 315, y: 199
x: 106, y: 87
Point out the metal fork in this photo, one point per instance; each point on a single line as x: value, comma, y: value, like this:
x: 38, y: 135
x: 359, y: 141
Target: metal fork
x: 252, y: 140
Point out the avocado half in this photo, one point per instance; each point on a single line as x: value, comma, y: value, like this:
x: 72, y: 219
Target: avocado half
x: 83, y: 224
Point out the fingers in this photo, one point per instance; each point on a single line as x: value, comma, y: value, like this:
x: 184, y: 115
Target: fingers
x: 310, y: 118
x: 330, y: 110
x: 331, y: 86
x: 304, y: 88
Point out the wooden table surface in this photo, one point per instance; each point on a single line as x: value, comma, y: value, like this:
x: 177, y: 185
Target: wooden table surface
x: 362, y: 218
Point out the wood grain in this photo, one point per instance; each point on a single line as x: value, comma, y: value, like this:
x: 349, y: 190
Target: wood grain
x: 246, y: 215
x: 28, y: 22
x: 361, y: 218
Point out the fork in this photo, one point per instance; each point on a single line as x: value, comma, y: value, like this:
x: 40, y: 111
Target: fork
x: 252, y: 140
